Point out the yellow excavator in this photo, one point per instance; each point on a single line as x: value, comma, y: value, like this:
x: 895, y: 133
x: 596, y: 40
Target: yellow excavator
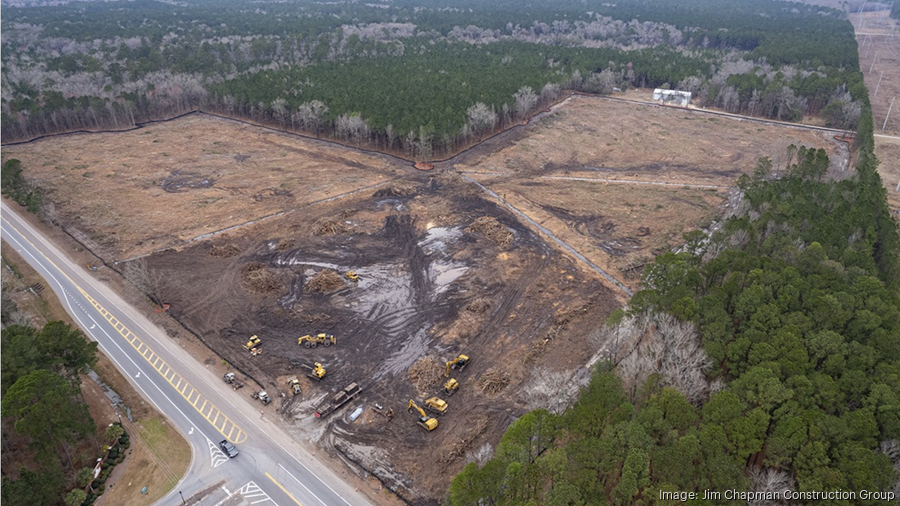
x: 459, y: 362
x: 311, y: 341
x: 426, y: 422
x: 352, y: 276
x: 436, y: 405
x: 316, y: 371
x: 253, y: 345
x: 451, y: 386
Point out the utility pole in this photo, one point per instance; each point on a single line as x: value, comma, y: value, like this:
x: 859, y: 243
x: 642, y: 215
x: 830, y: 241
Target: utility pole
x: 888, y: 115
x: 879, y: 84
x: 874, y: 58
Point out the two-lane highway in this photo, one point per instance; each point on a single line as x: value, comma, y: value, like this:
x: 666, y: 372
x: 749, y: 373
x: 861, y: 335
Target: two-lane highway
x: 271, y: 468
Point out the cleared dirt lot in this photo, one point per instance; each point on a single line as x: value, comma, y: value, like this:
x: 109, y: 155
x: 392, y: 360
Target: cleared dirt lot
x: 127, y: 194
x: 621, y: 182
x: 444, y: 267
x: 879, y: 57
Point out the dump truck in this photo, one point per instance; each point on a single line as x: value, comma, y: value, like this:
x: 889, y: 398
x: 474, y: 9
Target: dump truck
x: 339, y: 399
x: 262, y: 396
x: 311, y: 341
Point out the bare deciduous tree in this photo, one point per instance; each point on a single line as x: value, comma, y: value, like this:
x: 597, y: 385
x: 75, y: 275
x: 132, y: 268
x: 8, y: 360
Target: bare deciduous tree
x: 280, y: 111
x: 481, y: 455
x: 891, y: 448
x: 768, y: 480
x: 525, y: 101
x: 352, y: 127
x: 425, y: 145
x: 602, y: 83
x: 550, y: 92
x: 659, y: 343
x: 550, y: 390
x: 480, y: 118
x: 311, y: 115
x: 409, y: 144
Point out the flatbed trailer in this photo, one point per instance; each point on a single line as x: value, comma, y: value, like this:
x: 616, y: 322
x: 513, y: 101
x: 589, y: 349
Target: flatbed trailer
x: 339, y: 399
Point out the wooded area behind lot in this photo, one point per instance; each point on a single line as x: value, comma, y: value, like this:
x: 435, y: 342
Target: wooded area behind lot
x: 418, y: 79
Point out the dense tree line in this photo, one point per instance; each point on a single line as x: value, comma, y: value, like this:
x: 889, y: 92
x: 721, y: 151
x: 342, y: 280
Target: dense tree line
x: 763, y: 357
x: 50, y: 441
x: 15, y: 186
x: 425, y: 62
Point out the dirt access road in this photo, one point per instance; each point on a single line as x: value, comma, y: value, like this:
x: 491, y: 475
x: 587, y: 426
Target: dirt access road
x: 878, y: 36
x: 443, y: 268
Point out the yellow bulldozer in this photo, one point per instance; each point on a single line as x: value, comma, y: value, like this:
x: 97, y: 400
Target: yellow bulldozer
x: 436, y: 405
x: 294, y: 383
x: 451, y: 386
x: 458, y: 363
x: 426, y: 422
x: 253, y: 345
x: 311, y: 341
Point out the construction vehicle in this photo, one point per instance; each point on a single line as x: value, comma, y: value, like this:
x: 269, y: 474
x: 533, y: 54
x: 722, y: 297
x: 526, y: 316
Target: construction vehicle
x: 426, y: 422
x: 294, y: 383
x: 339, y: 399
x: 232, y: 380
x: 451, y: 386
x: 311, y: 341
x: 352, y: 276
x: 316, y: 371
x: 253, y: 345
x: 459, y: 363
x: 436, y: 405
x: 389, y: 413
x: 262, y: 396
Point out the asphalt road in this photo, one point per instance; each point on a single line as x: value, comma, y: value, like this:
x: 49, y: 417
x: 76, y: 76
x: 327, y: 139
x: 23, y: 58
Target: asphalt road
x: 270, y: 470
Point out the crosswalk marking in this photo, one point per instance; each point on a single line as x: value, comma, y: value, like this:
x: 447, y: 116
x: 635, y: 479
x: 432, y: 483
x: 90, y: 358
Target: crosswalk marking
x: 215, y: 454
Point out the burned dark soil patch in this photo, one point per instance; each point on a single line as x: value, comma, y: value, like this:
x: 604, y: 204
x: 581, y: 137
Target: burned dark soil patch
x: 182, y: 181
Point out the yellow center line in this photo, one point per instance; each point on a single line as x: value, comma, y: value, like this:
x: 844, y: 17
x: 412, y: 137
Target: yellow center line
x: 283, y: 489
x: 137, y: 344
x: 182, y: 386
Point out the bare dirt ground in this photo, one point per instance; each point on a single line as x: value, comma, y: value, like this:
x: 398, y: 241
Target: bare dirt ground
x: 444, y: 269
x: 621, y: 182
x: 427, y: 288
x: 161, y: 185
x: 879, y: 57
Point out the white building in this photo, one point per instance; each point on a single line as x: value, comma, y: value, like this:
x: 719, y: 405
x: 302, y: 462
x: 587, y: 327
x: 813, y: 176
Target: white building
x: 672, y: 97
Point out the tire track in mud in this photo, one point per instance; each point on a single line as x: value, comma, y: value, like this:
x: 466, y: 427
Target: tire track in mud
x: 261, y: 219
x: 557, y: 240
x: 500, y: 316
x: 401, y: 324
